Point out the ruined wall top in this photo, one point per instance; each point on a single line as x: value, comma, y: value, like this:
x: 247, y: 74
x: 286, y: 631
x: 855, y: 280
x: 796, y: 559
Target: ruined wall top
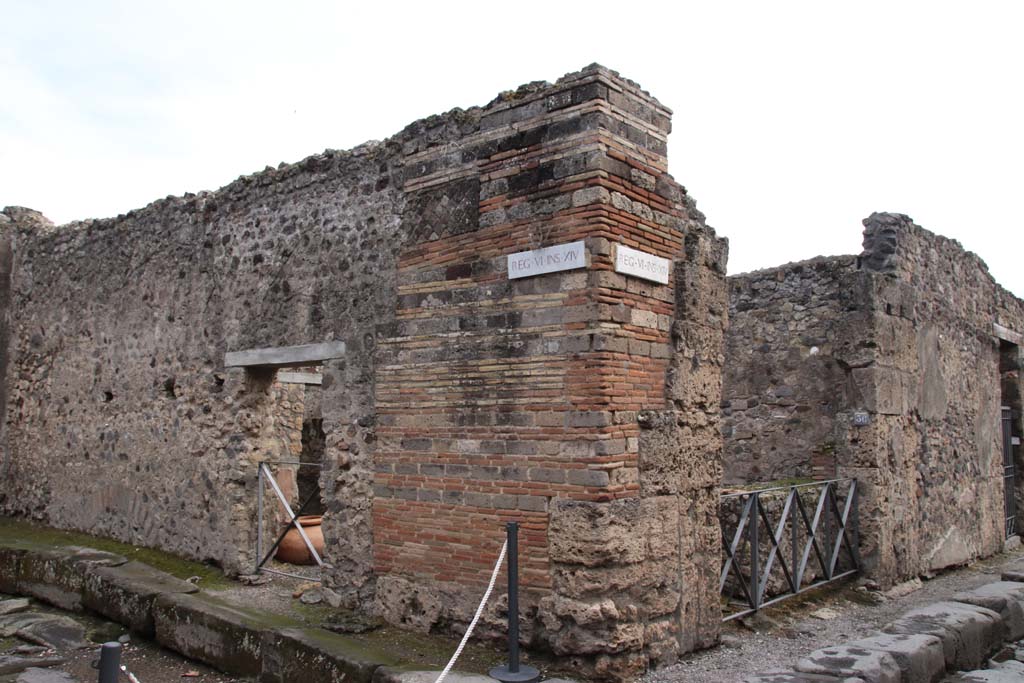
x: 403, y: 148
x: 938, y: 268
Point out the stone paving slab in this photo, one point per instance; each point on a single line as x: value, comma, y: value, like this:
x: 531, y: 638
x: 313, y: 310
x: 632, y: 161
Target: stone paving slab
x: 388, y: 675
x: 986, y: 676
x: 45, y: 676
x: 13, y: 665
x: 1004, y: 597
x: 1014, y: 571
x: 126, y: 593
x: 920, y: 657
x: 13, y: 606
x: 874, y: 666
x: 54, y: 631
x: 969, y: 634
x: 797, y: 677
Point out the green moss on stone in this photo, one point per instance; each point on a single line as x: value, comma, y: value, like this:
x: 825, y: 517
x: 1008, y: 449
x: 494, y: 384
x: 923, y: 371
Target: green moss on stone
x: 22, y: 534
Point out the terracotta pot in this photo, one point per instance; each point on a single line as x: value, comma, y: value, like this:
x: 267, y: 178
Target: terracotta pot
x: 293, y: 549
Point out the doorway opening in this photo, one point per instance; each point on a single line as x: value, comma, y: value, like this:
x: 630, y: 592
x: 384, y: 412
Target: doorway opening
x: 290, y: 442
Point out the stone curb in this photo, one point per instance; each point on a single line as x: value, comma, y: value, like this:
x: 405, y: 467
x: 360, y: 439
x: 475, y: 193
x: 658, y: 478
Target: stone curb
x: 230, y: 638
x: 126, y: 594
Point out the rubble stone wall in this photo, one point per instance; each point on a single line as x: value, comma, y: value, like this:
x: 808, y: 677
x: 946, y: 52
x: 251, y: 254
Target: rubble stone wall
x: 908, y: 345
x: 121, y: 418
x: 784, y: 387
x: 582, y: 403
x: 932, y: 457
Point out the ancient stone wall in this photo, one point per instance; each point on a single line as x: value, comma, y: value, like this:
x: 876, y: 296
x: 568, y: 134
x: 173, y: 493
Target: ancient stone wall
x: 934, y: 446
x: 582, y: 403
x: 121, y: 417
x: 904, y: 390
x: 784, y: 387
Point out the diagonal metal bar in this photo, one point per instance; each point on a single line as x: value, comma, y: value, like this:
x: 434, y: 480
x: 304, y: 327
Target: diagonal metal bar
x: 259, y: 515
x: 774, y: 553
x: 740, y: 579
x: 292, y: 516
x: 273, y: 548
x: 755, y: 553
x: 842, y: 536
x: 812, y: 538
x: 731, y: 548
x: 835, y: 544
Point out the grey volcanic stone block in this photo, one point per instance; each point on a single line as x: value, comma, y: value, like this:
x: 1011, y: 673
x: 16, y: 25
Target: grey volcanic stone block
x: 55, y: 631
x: 1014, y: 572
x: 35, y: 675
x: 969, y: 633
x: 14, y: 606
x: 1004, y: 597
x: 317, y: 656
x: 1010, y: 665
x: 847, y: 660
x: 13, y: 665
x: 10, y: 568
x: 986, y: 676
x: 57, y: 575
x: 389, y: 675
x: 919, y: 657
x: 125, y: 594
x: 226, y: 637
x: 798, y: 677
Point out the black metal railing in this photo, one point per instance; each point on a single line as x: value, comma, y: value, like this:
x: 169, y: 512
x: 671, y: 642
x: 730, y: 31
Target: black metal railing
x: 1009, y: 475
x: 780, y: 541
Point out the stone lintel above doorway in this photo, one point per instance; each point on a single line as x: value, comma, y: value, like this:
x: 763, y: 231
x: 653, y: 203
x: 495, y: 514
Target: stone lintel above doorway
x: 1007, y: 334
x: 285, y: 356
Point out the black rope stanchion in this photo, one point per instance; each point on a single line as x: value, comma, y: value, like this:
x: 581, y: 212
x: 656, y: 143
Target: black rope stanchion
x: 514, y: 672
x: 109, y: 663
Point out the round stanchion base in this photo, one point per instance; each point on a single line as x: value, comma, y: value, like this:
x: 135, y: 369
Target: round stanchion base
x: 526, y: 674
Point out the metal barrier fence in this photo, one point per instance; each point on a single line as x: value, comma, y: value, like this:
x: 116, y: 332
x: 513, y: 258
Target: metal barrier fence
x: 265, y: 476
x: 770, y: 535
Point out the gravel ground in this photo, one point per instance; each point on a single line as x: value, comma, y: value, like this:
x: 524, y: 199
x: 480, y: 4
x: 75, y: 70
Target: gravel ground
x: 148, y: 661
x: 782, y: 634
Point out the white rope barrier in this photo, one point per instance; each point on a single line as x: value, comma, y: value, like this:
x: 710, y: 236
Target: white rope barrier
x: 129, y: 674
x: 476, y: 617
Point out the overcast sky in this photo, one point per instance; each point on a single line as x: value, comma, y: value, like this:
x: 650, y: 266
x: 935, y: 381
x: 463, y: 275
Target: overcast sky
x: 793, y: 120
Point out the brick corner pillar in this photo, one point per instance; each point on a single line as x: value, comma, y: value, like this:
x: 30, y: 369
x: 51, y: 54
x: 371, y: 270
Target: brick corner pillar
x: 574, y: 388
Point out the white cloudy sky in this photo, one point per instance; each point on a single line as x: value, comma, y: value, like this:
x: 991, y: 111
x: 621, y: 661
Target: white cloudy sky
x: 793, y: 120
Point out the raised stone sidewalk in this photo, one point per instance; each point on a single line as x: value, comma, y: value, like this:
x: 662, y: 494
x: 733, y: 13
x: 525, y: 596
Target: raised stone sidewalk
x: 976, y: 635
x: 230, y: 637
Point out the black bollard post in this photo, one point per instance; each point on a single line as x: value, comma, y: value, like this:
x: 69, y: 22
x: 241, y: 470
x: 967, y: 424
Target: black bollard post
x: 110, y: 662
x: 514, y: 672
